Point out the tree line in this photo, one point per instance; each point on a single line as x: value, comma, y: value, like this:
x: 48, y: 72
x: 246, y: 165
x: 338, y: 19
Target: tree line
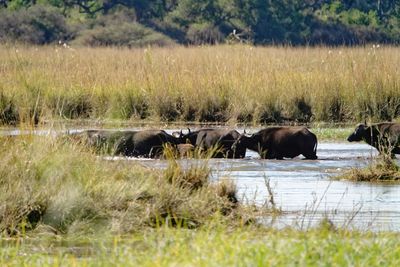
x: 164, y: 22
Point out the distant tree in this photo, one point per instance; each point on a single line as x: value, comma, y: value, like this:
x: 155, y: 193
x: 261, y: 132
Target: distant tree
x: 16, y: 4
x: 143, y: 8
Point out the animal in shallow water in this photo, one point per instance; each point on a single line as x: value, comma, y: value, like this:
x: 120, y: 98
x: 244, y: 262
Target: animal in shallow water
x: 281, y: 142
x: 219, y: 141
x: 147, y: 143
x: 384, y: 136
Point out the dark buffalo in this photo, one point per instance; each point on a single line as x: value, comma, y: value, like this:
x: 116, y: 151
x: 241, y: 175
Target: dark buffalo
x: 147, y: 143
x: 281, y: 142
x: 385, y: 136
x: 220, y: 141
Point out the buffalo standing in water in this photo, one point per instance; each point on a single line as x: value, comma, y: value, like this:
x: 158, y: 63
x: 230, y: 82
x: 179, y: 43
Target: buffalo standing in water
x: 385, y: 136
x: 219, y: 140
x: 147, y: 143
x: 281, y: 142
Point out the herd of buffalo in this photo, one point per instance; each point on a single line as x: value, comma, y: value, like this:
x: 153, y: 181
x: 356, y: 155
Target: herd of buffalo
x: 276, y: 142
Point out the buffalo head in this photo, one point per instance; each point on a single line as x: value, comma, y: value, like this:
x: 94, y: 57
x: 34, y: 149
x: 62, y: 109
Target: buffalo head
x: 245, y: 141
x: 359, y: 133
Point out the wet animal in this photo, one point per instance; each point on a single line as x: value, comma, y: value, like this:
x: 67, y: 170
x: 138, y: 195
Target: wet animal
x: 219, y: 141
x: 384, y: 136
x: 146, y: 143
x: 281, y: 142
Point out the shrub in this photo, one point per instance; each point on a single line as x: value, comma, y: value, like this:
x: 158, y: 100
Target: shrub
x: 35, y: 25
x: 126, y: 34
x: 120, y: 29
x: 204, y: 33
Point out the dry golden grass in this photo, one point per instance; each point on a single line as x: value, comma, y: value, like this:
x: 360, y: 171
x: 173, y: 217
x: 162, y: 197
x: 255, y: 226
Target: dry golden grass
x: 219, y: 83
x: 62, y: 186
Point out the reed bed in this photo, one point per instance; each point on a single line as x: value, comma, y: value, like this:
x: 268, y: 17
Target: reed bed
x: 237, y: 83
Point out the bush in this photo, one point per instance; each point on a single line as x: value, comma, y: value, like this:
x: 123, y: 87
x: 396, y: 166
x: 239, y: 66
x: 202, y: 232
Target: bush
x: 120, y: 29
x: 35, y: 25
x: 126, y: 34
x: 204, y: 33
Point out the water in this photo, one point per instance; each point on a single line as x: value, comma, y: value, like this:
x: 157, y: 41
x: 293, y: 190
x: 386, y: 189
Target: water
x: 304, y: 189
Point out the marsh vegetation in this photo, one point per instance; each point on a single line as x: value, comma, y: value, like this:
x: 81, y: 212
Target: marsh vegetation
x: 221, y: 84
x: 62, y: 203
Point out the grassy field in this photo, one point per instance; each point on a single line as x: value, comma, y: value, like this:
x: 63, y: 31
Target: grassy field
x: 202, y: 84
x: 210, y: 246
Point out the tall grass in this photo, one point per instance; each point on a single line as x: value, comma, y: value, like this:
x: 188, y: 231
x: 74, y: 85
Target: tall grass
x: 61, y: 187
x: 220, y: 83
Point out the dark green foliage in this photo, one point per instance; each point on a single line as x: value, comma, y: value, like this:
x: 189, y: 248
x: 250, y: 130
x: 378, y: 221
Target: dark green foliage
x: 35, y: 25
x: 202, y: 21
x: 126, y: 34
x: 121, y: 29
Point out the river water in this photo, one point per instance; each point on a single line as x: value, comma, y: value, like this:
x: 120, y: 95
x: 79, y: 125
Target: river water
x: 304, y: 189
x: 306, y: 193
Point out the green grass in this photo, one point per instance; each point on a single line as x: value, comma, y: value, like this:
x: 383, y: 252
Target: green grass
x: 337, y: 134
x: 212, y: 245
x: 226, y: 84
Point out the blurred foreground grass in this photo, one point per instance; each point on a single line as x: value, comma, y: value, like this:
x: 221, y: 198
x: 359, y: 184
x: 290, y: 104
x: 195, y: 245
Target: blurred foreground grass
x: 211, y: 245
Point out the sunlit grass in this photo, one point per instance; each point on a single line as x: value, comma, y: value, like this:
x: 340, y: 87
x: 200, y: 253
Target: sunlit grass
x: 220, y: 83
x: 67, y: 189
x: 211, y: 246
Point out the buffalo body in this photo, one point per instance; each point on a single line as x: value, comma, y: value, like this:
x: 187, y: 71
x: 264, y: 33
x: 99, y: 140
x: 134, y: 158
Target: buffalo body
x: 147, y: 143
x: 384, y: 136
x: 219, y: 141
x: 282, y: 142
